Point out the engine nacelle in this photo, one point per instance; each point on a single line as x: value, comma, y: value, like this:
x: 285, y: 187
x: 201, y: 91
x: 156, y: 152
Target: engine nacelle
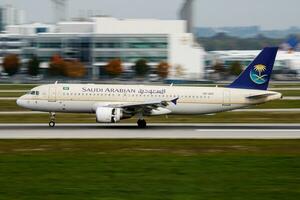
x: 108, y: 115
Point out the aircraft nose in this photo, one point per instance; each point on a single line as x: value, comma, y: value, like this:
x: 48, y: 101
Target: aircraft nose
x: 20, y: 102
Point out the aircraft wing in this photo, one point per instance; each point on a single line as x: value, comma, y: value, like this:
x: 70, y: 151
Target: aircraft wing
x: 143, y: 107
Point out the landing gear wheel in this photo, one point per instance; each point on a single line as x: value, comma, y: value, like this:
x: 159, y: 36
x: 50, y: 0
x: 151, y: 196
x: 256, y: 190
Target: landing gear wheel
x: 52, y: 119
x: 142, y: 123
x: 51, y: 123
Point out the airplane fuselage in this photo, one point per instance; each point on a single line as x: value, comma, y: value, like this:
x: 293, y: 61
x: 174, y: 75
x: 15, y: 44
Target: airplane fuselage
x: 86, y: 98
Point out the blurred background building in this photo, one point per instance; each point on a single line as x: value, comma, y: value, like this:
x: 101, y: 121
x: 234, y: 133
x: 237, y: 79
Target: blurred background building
x: 10, y: 15
x: 192, y: 53
x: 99, y: 40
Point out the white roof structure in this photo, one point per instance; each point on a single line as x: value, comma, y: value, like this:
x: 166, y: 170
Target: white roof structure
x: 291, y: 59
x: 109, y: 25
x: 28, y: 29
x: 105, y: 25
x: 75, y: 27
x: 240, y: 54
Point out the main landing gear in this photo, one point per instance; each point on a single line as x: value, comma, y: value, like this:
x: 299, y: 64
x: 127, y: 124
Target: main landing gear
x: 142, y: 123
x: 52, y: 119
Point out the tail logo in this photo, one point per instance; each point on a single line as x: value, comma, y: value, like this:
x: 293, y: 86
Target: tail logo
x: 257, y: 74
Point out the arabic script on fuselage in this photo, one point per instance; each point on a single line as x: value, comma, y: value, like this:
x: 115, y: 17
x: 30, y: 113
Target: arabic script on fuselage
x: 123, y: 90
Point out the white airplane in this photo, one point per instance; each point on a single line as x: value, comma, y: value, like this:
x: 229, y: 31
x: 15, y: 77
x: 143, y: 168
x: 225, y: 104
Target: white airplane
x: 112, y: 103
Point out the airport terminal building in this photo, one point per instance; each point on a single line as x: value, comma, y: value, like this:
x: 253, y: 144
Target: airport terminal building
x: 101, y: 39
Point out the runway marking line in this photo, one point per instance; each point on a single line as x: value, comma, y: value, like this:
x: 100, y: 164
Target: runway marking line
x: 248, y: 130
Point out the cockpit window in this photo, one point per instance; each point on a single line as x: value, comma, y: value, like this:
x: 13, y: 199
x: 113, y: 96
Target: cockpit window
x: 33, y: 92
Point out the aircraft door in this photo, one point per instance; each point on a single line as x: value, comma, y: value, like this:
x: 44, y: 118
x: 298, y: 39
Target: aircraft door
x: 226, y: 98
x: 52, y: 93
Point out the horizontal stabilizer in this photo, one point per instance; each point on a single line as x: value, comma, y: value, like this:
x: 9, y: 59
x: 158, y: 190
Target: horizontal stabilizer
x: 259, y: 96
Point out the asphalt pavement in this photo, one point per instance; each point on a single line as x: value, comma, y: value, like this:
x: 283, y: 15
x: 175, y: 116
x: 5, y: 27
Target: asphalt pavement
x: 153, y: 131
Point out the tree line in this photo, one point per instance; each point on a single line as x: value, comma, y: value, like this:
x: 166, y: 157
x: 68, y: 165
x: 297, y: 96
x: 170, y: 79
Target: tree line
x: 222, y: 41
x: 220, y: 71
x: 72, y: 68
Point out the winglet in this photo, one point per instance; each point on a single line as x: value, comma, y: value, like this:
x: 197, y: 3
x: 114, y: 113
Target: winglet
x: 174, y: 101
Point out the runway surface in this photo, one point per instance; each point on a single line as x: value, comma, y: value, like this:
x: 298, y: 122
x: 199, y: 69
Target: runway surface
x: 154, y: 131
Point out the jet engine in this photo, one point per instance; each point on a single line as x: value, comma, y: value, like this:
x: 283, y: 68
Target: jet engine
x: 108, y: 115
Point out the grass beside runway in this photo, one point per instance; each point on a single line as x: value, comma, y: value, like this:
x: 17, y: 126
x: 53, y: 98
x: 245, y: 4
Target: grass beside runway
x: 278, y: 104
x: 17, y: 86
x: 227, y: 117
x: 285, y: 85
x: 10, y: 105
x: 11, y: 94
x: 289, y: 93
x: 152, y: 169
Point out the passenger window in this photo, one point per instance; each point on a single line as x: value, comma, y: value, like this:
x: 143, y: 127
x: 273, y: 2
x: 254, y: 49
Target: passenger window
x: 37, y: 93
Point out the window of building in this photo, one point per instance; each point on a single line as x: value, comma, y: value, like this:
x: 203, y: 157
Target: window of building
x: 41, y: 30
x: 50, y: 45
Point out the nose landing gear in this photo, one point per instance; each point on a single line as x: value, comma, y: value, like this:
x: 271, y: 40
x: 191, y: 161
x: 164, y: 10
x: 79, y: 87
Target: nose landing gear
x: 52, y: 119
x: 142, y: 123
x: 51, y: 123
